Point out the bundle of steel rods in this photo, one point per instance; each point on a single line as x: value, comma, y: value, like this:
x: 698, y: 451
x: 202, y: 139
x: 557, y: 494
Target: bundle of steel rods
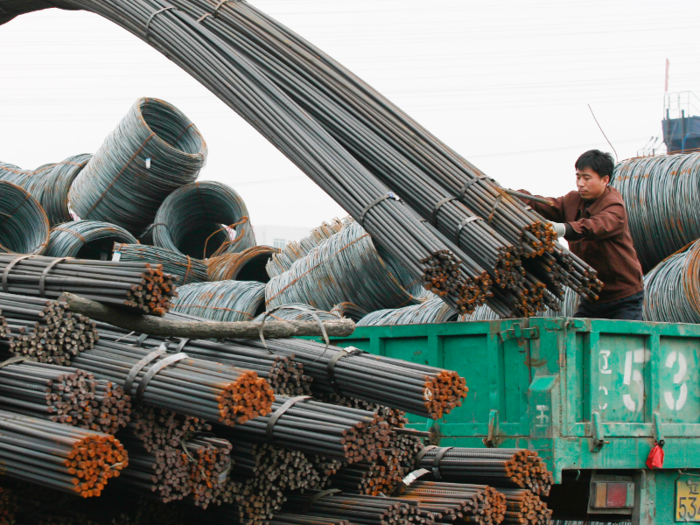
x: 42, y: 329
x: 412, y: 387
x: 358, y: 509
x: 431, y: 311
x: 659, y: 194
x: 524, y: 507
x: 312, y: 427
x: 112, y: 405
x: 187, y: 269
x: 672, y: 288
x: 154, y: 150
x: 284, y: 518
x: 457, y: 503
x: 222, y: 300
x: 86, y: 240
x: 209, y: 462
x: 373, y: 479
x: 58, y: 456
x: 198, y: 219
x: 211, y: 391
x: 518, y: 468
x: 248, y: 265
x: 344, y: 267
x: 137, y: 286
x: 284, y: 375
x: 25, y: 227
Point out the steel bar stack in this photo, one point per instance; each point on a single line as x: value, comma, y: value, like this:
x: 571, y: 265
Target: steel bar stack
x: 184, y: 267
x: 524, y: 507
x: 209, y: 463
x: 284, y: 518
x: 222, y: 300
x: 25, y: 225
x: 516, y: 468
x: 412, y: 387
x: 86, y: 240
x: 211, y: 391
x: 349, y: 435
x: 111, y: 407
x: 457, y: 503
x: 43, y: 330
x: 137, y: 286
x: 58, y: 456
x: 248, y: 265
x: 284, y: 375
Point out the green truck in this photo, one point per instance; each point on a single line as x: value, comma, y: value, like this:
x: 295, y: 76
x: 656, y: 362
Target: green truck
x: 592, y: 397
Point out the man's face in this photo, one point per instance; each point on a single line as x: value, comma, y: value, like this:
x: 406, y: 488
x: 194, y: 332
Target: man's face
x: 590, y: 185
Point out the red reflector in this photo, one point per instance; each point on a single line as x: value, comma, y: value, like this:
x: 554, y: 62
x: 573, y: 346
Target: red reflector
x: 617, y: 496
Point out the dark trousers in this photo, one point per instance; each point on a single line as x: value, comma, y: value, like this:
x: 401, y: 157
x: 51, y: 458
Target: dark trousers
x: 625, y: 308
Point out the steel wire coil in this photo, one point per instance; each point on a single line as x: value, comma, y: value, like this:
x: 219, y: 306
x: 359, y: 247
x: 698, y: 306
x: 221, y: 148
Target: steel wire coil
x: 135, y: 286
x: 672, y: 288
x: 431, y: 311
x: 187, y: 269
x: 153, y: 151
x: 58, y: 456
x: 193, y: 387
x: 248, y: 265
x: 349, y: 310
x: 86, y: 240
x: 59, y: 179
x: 198, y: 218
x: 297, y: 312
x: 660, y: 195
x: 24, y: 228
x: 221, y: 300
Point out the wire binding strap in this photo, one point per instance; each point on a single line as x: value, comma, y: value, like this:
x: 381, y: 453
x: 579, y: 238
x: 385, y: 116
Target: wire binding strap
x: 153, y: 15
x: 372, y: 204
x: 279, y: 412
x: 462, y: 224
x: 45, y: 274
x: 9, y: 267
x: 14, y: 360
x: 468, y: 185
x: 330, y: 368
x: 437, y: 207
x: 140, y: 340
x: 495, y: 206
x: 294, y: 307
x: 128, y: 382
x: 160, y: 365
x: 423, y: 452
x: 408, y: 480
x: 437, y: 459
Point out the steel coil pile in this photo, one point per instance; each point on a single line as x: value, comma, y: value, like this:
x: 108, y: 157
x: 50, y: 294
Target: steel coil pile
x: 154, y: 150
x: 187, y: 269
x: 344, y: 267
x: 137, y: 286
x: 86, y: 240
x: 248, y: 265
x: 198, y: 220
x: 43, y: 330
x: 61, y: 457
x: 422, y: 390
x: 221, y: 301
x: 193, y: 387
x: 660, y: 195
x: 516, y: 468
x: 431, y: 311
x: 297, y: 312
x: 25, y: 227
x: 349, y: 310
x: 672, y: 288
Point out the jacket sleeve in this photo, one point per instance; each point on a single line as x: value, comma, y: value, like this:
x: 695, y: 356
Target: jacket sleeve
x: 607, y: 223
x: 553, y: 213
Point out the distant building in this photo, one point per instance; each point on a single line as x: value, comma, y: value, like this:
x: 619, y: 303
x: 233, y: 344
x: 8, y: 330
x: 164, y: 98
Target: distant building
x: 278, y: 236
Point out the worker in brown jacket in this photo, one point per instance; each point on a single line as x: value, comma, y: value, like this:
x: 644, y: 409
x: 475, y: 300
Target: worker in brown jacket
x: 594, y: 222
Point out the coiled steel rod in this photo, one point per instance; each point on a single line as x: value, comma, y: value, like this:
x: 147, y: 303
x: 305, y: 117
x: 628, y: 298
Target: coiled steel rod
x: 86, y: 240
x: 248, y: 265
x: 187, y: 269
x: 24, y: 227
x: 222, y: 300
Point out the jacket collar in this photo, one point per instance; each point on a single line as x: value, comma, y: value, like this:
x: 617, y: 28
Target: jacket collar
x: 598, y: 204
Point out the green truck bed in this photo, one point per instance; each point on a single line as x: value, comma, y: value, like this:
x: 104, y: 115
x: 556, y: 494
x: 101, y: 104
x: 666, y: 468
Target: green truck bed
x: 586, y: 394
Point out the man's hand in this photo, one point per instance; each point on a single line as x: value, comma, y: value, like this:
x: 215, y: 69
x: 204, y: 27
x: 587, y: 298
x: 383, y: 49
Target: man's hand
x: 559, y: 229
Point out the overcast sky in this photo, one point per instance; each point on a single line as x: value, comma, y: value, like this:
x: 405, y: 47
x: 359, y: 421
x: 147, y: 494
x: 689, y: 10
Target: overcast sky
x: 506, y: 83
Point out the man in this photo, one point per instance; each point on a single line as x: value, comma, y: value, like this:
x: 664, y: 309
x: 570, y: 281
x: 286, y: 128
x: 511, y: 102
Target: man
x: 594, y: 222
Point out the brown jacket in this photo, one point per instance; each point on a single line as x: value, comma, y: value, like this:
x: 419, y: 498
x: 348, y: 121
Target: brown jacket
x: 599, y: 234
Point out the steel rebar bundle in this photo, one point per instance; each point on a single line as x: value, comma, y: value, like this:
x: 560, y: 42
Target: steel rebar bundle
x: 517, y: 468
x: 248, y: 265
x: 187, y: 269
x: 659, y: 194
x: 112, y: 407
x: 312, y: 427
x: 344, y: 267
x: 284, y: 518
x: 137, y: 286
x: 153, y: 151
x: 525, y: 507
x: 284, y: 375
x: 211, y: 391
x: 198, y: 218
x: 86, y: 240
x: 58, y: 456
x: 431, y: 311
x: 209, y: 461
x: 43, y: 330
x: 415, y: 388
x: 221, y: 300
x: 372, y: 479
x: 24, y: 228
x: 458, y: 503
x: 672, y: 288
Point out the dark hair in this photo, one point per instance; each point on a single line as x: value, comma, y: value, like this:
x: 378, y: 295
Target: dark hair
x: 602, y: 163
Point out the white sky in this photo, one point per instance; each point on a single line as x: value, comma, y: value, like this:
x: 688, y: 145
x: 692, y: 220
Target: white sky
x: 506, y: 83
